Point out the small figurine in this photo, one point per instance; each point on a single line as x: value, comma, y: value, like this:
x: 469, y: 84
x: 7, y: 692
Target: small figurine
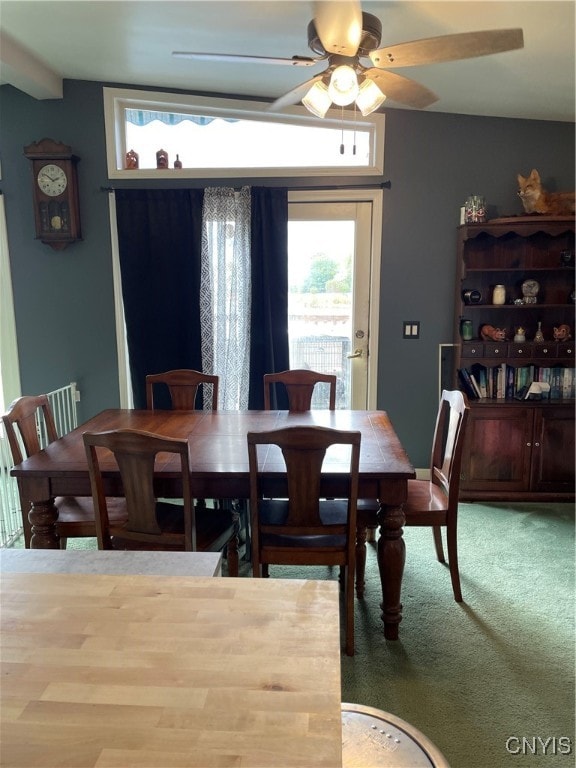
x: 562, y: 333
x: 489, y: 333
x: 520, y: 335
x: 177, y: 162
x: 539, y: 336
x: 161, y: 159
x: 530, y: 290
x: 131, y: 160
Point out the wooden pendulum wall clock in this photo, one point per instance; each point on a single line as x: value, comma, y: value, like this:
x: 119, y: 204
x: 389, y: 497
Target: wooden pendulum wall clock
x: 55, y: 193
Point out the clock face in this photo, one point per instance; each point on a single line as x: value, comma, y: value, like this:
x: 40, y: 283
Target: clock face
x: 52, y: 180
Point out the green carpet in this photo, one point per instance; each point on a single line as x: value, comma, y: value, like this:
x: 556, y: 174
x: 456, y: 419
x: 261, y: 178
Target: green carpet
x: 491, y: 680
x: 500, y: 665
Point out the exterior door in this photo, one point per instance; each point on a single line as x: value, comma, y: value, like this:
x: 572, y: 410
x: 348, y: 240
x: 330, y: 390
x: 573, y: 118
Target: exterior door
x: 334, y: 282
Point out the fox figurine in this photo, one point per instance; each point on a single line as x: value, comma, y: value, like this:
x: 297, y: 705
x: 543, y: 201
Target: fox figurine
x: 536, y: 199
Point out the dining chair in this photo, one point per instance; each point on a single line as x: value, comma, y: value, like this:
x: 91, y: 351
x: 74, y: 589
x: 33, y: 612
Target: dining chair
x: 303, y: 528
x: 299, y: 384
x: 27, y: 418
x: 152, y: 524
x: 183, y: 385
x: 433, y: 503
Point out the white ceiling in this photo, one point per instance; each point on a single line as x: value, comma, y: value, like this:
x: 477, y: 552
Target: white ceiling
x: 130, y: 41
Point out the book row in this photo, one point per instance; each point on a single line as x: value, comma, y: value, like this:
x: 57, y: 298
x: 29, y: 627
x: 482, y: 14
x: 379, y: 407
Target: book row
x: 508, y: 382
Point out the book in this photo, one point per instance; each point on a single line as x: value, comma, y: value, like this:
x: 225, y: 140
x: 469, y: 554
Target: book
x: 509, y: 384
x: 466, y: 383
x: 500, y: 383
x: 479, y: 373
x: 556, y: 383
x: 567, y: 383
x: 475, y: 384
x: 544, y: 374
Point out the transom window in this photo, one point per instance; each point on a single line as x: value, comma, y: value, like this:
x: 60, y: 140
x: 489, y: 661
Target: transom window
x: 216, y: 137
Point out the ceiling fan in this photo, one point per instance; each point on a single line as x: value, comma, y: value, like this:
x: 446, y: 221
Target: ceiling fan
x: 358, y: 71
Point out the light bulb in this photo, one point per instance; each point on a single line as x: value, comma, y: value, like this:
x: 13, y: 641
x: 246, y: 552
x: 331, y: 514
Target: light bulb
x: 343, y: 87
x: 370, y: 97
x: 317, y: 100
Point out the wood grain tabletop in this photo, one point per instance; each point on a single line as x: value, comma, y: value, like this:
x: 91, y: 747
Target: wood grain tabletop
x: 142, y: 671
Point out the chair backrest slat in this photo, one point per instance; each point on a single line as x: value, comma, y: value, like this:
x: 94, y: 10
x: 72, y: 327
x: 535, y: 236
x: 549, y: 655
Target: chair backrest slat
x: 21, y: 425
x: 135, y: 453
x: 183, y: 385
x: 448, y: 442
x: 304, y: 450
x: 299, y: 384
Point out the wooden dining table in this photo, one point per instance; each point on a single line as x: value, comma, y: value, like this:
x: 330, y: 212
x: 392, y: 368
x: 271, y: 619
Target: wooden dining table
x: 219, y: 465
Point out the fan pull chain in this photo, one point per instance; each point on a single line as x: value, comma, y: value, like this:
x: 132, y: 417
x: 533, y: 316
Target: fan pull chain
x: 354, y: 140
x: 342, y: 136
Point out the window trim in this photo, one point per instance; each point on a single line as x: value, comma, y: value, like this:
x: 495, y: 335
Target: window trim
x: 117, y: 99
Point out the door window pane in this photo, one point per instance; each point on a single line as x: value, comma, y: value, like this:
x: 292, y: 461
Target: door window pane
x: 320, y: 275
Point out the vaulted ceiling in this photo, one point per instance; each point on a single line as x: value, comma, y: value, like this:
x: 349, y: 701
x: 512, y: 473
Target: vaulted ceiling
x: 131, y: 41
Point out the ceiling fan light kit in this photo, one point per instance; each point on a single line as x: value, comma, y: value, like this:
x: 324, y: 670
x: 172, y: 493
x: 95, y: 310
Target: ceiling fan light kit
x: 367, y: 95
x: 342, y: 35
x: 317, y: 100
x: 343, y: 87
x: 369, y: 98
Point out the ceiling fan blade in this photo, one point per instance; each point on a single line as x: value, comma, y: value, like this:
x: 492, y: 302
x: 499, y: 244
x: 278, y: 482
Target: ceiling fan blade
x: 401, y: 89
x: 432, y: 50
x: 339, y: 25
x: 295, y: 95
x: 295, y: 61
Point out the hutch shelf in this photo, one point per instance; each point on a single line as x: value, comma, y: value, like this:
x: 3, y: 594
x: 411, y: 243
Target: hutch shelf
x: 520, y: 443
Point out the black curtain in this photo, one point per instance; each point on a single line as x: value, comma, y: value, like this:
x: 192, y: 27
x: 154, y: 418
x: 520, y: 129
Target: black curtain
x: 269, y: 351
x: 160, y: 240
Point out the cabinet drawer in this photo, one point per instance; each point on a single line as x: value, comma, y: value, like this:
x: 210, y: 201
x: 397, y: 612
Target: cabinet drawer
x: 496, y: 349
x: 548, y: 349
x: 566, y: 350
x: 519, y: 350
x: 473, y: 349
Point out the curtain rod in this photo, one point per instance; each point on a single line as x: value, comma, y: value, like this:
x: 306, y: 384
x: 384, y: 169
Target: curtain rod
x: 381, y: 185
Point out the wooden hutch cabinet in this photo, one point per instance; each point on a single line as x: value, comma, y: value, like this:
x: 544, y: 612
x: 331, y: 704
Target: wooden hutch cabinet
x: 517, y: 448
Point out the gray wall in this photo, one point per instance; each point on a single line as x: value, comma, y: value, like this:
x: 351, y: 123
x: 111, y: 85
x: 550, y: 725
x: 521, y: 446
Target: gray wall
x: 64, y: 299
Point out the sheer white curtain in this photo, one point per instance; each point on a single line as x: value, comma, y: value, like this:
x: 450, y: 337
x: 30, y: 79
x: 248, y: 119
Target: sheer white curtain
x: 225, y: 290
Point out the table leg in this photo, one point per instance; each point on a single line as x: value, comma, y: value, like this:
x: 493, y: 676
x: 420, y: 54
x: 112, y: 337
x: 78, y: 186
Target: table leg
x: 42, y: 517
x: 391, y: 558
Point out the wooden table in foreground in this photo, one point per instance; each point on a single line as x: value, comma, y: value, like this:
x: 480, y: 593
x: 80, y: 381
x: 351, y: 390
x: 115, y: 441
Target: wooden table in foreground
x: 219, y: 462
x: 142, y: 671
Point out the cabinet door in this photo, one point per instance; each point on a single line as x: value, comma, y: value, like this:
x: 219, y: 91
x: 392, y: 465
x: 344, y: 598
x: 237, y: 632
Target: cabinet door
x: 497, y: 450
x: 553, y: 450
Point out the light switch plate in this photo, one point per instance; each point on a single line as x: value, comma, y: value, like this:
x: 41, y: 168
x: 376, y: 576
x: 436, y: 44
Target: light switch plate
x: 411, y: 329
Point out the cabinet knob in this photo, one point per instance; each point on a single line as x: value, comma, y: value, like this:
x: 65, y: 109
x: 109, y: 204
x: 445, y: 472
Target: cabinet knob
x: 528, y: 445
x: 537, y: 445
